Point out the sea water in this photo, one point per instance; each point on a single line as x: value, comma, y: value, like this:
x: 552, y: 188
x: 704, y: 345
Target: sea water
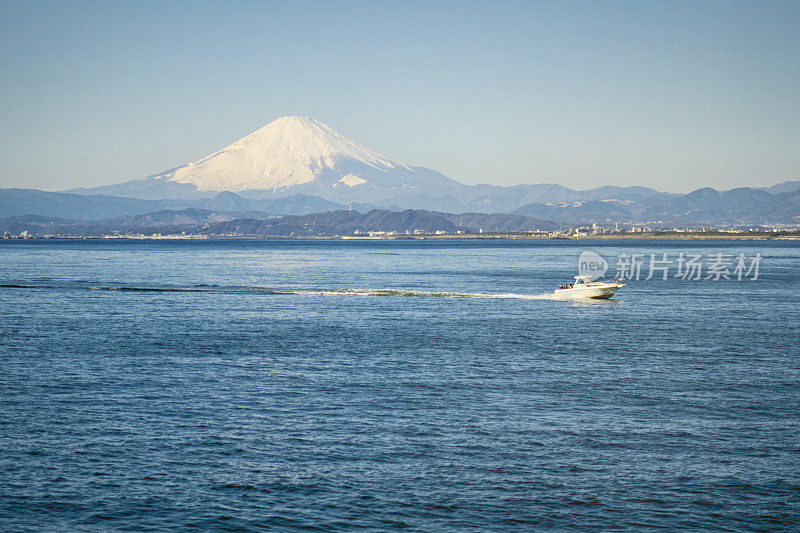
x: 430, y: 385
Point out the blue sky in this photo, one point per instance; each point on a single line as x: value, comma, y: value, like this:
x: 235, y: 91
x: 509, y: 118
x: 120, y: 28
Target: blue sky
x: 671, y: 95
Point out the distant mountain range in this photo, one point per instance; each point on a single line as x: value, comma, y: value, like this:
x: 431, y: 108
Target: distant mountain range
x: 298, y: 166
x: 742, y: 206
x: 737, y: 207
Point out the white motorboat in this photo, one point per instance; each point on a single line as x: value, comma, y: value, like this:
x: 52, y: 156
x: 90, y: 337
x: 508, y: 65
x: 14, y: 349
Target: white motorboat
x: 584, y: 287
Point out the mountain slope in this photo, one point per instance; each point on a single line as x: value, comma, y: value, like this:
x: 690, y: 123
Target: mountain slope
x: 287, y: 152
x: 784, y: 187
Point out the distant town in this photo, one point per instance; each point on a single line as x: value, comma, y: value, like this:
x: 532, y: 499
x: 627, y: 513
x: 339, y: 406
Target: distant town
x: 595, y: 231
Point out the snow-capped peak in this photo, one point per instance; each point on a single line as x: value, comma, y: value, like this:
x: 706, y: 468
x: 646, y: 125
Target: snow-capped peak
x: 286, y: 152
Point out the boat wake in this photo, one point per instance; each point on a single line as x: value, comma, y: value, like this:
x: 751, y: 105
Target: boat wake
x: 276, y: 291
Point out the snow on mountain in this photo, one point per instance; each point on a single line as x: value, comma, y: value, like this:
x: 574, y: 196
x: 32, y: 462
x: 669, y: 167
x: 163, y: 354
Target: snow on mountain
x: 287, y: 152
x: 351, y: 180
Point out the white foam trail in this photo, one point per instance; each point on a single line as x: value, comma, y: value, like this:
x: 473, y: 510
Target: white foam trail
x: 278, y: 291
x: 416, y: 294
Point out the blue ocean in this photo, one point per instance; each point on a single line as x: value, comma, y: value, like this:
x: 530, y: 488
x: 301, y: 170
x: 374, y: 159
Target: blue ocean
x: 248, y: 385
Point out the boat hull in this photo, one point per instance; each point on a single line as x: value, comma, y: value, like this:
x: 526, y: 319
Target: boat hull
x: 594, y: 293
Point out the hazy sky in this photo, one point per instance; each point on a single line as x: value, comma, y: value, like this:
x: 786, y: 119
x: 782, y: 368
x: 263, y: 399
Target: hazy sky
x: 671, y: 95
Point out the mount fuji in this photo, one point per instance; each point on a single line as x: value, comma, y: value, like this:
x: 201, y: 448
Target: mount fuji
x: 292, y: 155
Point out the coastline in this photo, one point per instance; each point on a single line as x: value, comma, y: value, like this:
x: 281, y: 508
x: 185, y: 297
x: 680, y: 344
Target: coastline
x: 670, y: 236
